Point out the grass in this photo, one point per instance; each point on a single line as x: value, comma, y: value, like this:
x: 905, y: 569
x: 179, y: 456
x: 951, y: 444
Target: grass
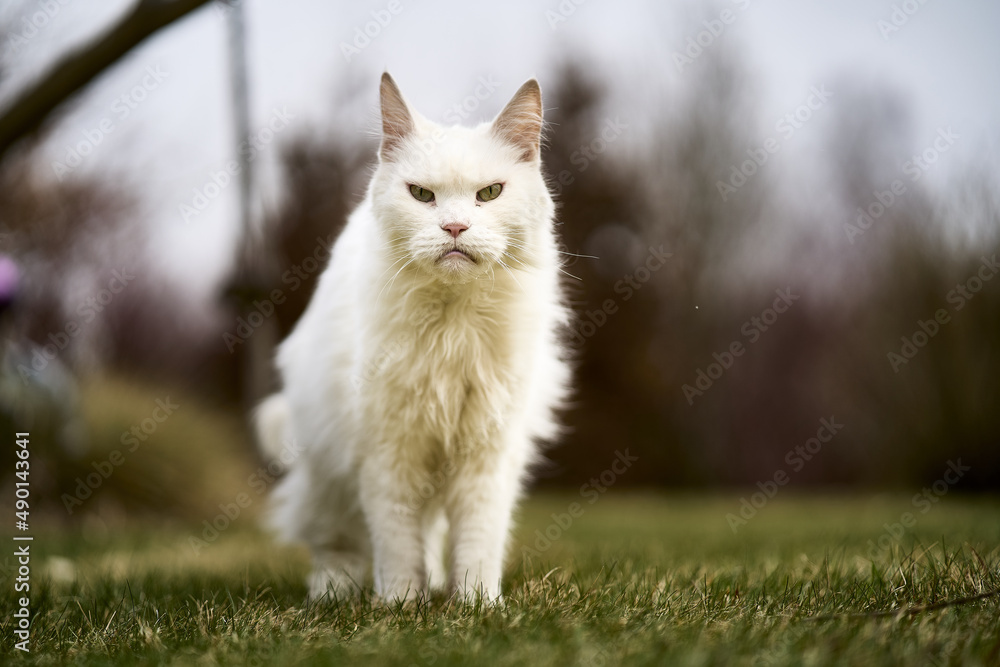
x: 636, y: 579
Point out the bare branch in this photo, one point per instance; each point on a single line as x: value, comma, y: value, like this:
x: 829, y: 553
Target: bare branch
x: 79, y: 67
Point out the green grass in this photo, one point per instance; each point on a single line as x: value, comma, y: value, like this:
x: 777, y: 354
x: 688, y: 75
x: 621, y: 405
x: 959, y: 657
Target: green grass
x: 637, y: 579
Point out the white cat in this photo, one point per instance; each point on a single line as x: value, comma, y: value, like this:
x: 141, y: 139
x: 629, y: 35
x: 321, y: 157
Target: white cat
x: 428, y: 364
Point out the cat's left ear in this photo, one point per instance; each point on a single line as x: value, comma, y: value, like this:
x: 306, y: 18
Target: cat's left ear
x: 397, y: 121
x: 520, y: 122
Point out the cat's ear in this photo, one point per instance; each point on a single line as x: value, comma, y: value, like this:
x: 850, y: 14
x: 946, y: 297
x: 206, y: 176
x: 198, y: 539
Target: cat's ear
x: 397, y: 121
x: 520, y: 122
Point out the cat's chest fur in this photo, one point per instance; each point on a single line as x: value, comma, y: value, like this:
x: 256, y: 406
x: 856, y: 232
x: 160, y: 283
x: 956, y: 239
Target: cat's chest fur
x: 449, y: 368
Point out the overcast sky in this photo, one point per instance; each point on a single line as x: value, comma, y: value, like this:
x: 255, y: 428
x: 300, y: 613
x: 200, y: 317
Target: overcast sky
x: 943, y: 58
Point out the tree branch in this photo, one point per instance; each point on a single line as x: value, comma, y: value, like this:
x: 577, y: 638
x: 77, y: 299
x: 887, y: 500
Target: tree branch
x: 78, y: 68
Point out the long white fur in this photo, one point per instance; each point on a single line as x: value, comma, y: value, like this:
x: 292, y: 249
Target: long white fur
x: 418, y: 387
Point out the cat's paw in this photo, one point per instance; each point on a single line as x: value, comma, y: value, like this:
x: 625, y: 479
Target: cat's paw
x: 332, y: 584
x: 404, y: 594
x: 405, y: 588
x: 336, y: 575
x: 474, y: 595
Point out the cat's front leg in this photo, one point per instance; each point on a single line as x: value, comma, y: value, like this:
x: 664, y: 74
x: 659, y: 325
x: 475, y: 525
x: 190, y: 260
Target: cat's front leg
x: 395, y: 530
x: 480, y: 503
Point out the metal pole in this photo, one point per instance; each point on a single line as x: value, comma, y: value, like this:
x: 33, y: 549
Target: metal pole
x: 240, y: 109
x: 253, y: 263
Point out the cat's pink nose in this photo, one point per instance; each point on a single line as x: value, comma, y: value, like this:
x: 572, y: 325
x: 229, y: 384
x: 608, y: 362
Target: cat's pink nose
x: 455, y: 228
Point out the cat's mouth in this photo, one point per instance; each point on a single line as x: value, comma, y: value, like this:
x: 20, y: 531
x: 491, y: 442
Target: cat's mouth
x: 456, y: 254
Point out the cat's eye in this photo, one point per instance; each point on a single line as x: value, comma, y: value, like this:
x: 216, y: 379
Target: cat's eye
x: 422, y: 194
x: 489, y: 192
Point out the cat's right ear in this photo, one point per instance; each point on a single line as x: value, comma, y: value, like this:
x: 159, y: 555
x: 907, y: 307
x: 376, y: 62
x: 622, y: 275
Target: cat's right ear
x: 520, y: 122
x: 397, y: 121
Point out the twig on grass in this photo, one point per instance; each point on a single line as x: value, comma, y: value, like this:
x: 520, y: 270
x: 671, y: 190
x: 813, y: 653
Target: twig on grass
x: 907, y: 611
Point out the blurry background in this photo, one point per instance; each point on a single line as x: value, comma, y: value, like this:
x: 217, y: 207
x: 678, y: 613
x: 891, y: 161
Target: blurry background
x: 823, y: 177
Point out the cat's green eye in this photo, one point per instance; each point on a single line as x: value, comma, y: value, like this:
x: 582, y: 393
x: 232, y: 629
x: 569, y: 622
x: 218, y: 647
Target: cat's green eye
x: 489, y: 192
x: 422, y: 194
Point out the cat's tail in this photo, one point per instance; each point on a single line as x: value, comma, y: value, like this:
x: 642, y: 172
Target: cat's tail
x: 271, y: 421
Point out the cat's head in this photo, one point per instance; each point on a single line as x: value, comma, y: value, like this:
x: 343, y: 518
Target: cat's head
x: 458, y: 203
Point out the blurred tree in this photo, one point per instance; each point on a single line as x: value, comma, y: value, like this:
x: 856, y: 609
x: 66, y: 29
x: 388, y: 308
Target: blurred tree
x: 323, y: 181
x: 629, y: 207
x: 600, y: 198
x: 63, y: 235
x: 700, y: 306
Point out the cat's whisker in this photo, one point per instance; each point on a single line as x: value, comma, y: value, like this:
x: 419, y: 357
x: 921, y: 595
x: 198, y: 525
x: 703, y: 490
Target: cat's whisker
x: 392, y: 266
x: 393, y: 248
x: 393, y: 260
x: 569, y: 274
x: 391, y: 280
x: 561, y: 252
x: 507, y: 268
x: 394, y: 252
x: 510, y: 256
x: 493, y: 277
x: 526, y: 249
